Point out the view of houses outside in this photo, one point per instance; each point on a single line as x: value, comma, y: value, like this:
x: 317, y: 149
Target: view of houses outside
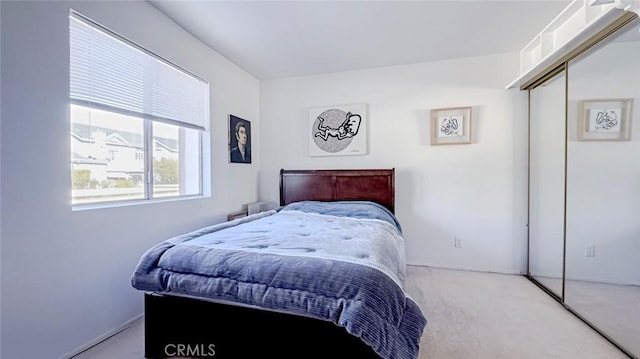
x: 108, y: 157
x: 166, y: 173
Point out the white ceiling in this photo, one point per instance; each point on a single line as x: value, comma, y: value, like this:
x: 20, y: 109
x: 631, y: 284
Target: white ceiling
x: 272, y: 39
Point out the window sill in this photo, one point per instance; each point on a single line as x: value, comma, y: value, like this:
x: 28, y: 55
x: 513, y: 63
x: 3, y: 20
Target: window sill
x: 102, y: 205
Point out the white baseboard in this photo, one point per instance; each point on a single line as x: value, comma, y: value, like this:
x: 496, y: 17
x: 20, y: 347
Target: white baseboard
x: 472, y: 269
x: 589, y: 279
x: 102, y: 338
x: 602, y: 280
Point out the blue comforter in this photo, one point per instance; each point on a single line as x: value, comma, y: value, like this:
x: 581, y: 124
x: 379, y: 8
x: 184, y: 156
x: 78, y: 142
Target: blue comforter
x: 354, y: 209
x: 309, y: 258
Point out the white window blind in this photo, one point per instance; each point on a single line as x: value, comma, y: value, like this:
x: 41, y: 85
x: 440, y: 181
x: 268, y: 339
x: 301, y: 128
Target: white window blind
x: 109, y: 72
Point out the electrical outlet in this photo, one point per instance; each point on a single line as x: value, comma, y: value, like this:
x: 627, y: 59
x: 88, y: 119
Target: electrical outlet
x: 590, y: 251
x: 457, y: 242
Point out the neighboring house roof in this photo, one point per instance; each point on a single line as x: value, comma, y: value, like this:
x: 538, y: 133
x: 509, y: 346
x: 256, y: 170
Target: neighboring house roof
x: 120, y: 138
x: 116, y: 138
x: 80, y: 159
x: 167, y: 143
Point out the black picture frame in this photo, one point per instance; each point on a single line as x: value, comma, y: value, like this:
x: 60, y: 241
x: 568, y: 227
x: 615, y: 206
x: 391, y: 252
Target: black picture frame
x: 239, y: 127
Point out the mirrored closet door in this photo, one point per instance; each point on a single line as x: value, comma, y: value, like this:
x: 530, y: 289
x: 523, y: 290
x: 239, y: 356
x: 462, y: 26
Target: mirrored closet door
x: 602, y: 281
x: 546, y: 182
x: 584, y: 184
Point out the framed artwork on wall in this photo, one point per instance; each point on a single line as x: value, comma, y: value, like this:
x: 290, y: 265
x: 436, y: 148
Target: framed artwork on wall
x: 605, y: 120
x: 239, y: 140
x: 339, y: 130
x: 451, y: 126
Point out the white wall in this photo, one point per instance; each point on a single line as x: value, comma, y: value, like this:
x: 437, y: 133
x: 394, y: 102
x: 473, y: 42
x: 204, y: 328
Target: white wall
x: 476, y: 191
x: 66, y: 274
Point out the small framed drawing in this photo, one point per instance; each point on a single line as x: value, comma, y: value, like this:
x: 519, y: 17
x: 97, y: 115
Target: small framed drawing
x: 239, y: 140
x: 451, y: 126
x: 605, y: 120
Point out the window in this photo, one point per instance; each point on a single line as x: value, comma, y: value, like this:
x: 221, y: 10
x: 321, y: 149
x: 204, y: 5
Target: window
x: 137, y: 121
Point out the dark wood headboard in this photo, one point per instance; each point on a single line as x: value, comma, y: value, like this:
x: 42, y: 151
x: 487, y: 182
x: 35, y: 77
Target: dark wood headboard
x: 376, y: 185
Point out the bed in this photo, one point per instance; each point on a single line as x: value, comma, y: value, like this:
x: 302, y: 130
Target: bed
x: 320, y: 277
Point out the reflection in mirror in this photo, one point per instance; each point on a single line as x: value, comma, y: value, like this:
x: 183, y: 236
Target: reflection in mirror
x: 546, y: 183
x: 603, y: 187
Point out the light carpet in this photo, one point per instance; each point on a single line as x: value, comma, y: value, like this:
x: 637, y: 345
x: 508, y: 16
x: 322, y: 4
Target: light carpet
x: 471, y: 315
x: 488, y: 315
x: 613, y: 308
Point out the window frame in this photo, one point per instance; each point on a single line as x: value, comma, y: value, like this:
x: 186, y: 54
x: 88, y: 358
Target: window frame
x: 148, y: 121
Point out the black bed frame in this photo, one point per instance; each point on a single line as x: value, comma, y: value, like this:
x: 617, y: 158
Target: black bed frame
x: 187, y: 327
